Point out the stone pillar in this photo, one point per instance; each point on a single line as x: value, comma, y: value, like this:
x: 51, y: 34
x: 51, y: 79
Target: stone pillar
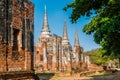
x: 20, y: 40
x: 69, y: 66
x: 62, y: 60
x: 54, y: 56
x: 20, y: 37
x: 82, y: 58
x: 27, y: 63
x: 69, y: 60
x: 11, y: 35
x: 77, y: 57
x: 26, y: 42
x: 54, y: 62
x: 45, y: 55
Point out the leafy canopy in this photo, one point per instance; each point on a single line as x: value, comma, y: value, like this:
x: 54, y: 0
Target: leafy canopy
x: 96, y: 58
x: 105, y: 25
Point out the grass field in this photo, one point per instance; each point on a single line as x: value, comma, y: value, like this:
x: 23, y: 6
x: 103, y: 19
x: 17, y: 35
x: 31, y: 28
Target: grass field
x: 100, y: 74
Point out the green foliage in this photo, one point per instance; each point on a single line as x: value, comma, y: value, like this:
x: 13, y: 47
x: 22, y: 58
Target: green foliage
x: 105, y: 25
x: 96, y: 58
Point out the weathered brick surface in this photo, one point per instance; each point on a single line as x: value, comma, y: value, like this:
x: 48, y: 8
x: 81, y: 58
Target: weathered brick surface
x: 16, y: 36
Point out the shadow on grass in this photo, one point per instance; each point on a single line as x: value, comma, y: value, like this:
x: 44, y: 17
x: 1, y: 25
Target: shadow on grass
x: 107, y: 76
x: 97, y: 75
x: 45, y: 76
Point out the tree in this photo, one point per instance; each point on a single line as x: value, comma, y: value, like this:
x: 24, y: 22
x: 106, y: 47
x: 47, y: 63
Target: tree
x: 105, y: 25
x: 96, y: 58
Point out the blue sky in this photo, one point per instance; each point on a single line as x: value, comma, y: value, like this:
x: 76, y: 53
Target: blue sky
x: 56, y: 17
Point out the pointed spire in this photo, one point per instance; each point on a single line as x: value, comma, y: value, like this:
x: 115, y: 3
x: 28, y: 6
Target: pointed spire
x: 45, y: 28
x: 76, y: 39
x: 45, y: 8
x: 65, y: 35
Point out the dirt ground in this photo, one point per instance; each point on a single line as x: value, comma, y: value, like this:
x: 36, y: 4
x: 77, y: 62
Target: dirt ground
x: 115, y: 76
x: 112, y: 77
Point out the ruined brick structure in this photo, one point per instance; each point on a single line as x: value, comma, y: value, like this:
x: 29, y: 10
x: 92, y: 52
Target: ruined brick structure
x: 55, y: 53
x: 16, y: 38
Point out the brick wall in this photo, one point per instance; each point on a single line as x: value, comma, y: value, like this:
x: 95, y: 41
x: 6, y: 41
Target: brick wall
x: 17, y: 15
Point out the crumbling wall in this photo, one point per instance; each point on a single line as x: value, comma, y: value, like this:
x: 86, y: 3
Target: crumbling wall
x: 16, y: 15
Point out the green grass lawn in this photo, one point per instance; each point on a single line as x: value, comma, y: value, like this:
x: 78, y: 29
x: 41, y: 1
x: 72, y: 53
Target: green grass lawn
x: 46, y: 74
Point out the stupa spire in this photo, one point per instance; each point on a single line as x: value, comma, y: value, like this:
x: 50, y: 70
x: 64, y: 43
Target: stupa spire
x: 65, y: 35
x: 76, y: 43
x: 45, y: 28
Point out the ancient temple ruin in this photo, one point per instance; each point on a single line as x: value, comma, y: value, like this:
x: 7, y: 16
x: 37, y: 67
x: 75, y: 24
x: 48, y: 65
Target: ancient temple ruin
x: 16, y: 39
x: 55, y: 53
